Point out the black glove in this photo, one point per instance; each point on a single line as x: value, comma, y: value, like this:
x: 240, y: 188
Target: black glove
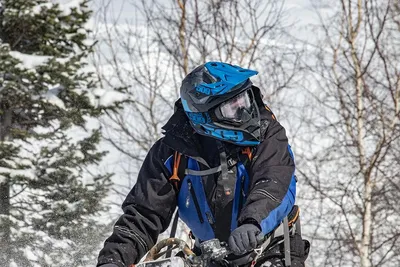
x: 244, y: 239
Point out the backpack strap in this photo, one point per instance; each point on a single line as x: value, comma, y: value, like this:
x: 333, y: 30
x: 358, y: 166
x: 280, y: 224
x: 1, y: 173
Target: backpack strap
x: 174, y: 179
x: 178, y: 169
x: 249, y: 152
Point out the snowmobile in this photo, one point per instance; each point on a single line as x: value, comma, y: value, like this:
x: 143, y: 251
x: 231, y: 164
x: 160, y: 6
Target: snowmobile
x: 215, y: 253
x: 211, y: 251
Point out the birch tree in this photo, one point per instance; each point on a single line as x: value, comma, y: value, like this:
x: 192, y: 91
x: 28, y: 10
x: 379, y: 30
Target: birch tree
x: 351, y: 162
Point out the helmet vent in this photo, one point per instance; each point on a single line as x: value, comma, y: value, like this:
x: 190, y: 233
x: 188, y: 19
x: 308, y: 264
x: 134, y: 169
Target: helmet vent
x: 207, y: 78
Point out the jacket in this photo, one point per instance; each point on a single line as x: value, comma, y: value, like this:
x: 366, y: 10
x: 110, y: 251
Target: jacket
x: 149, y: 206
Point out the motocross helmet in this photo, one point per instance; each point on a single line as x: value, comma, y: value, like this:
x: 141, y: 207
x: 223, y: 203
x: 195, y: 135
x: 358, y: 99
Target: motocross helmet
x: 219, y: 102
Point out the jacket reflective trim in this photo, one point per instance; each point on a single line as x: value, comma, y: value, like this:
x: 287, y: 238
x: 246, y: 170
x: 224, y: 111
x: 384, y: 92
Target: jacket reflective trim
x: 169, y: 163
x: 131, y: 233
x: 276, y: 216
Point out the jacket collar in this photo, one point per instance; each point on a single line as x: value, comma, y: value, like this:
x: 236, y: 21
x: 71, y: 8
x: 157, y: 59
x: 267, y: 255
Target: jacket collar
x: 180, y: 135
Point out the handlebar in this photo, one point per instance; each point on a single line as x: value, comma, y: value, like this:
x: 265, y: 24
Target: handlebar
x: 155, y: 251
x: 212, y: 250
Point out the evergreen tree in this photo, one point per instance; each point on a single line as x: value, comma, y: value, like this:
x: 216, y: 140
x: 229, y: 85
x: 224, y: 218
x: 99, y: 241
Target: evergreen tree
x: 48, y: 202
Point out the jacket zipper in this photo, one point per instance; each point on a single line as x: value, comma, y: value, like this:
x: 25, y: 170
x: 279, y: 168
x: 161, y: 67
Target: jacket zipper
x: 195, y: 201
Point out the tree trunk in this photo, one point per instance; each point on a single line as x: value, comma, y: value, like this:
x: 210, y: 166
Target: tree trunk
x: 367, y: 223
x: 5, y: 123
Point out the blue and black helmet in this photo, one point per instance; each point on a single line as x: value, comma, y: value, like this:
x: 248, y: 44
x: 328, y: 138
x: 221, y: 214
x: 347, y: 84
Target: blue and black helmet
x: 219, y: 102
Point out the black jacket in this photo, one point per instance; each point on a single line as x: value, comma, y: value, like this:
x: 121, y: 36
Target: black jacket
x: 149, y: 206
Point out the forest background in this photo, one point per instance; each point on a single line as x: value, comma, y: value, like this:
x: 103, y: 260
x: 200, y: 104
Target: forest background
x: 85, y: 87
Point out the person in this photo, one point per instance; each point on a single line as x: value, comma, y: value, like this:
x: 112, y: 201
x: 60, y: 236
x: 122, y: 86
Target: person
x: 238, y: 178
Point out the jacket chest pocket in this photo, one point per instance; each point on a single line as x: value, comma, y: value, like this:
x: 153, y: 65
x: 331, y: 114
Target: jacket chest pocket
x: 192, y: 198
x: 194, y: 209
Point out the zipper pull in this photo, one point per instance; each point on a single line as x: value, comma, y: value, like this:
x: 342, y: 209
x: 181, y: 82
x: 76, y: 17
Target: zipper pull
x: 210, y: 218
x: 187, y: 202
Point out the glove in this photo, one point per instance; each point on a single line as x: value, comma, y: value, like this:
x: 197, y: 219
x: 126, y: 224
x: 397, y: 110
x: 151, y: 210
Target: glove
x: 244, y: 239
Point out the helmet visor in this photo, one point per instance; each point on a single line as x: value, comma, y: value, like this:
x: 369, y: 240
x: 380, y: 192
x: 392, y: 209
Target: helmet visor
x: 237, y: 109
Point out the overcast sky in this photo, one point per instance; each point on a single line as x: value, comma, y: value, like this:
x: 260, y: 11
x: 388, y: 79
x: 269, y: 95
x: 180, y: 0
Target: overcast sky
x: 299, y: 12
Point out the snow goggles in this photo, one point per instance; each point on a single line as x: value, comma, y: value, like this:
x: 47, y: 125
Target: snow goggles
x: 236, y: 110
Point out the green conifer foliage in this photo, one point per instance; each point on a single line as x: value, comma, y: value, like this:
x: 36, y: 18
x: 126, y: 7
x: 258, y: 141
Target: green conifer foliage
x: 49, y: 204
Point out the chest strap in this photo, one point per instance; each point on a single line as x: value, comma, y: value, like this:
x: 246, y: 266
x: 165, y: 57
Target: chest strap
x: 203, y: 172
x: 223, y: 167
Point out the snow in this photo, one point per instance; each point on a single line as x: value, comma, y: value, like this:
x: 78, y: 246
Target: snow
x: 98, y: 96
x: 38, y: 9
x: 108, y: 97
x: 62, y: 60
x: 104, y: 97
x: 29, y: 61
x: 51, y: 97
x: 79, y: 154
x: 13, y: 172
x: 32, y: 61
x: 10, y: 163
x: 67, y: 5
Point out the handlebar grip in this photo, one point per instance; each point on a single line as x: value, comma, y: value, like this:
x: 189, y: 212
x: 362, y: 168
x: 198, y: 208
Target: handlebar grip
x: 260, y: 238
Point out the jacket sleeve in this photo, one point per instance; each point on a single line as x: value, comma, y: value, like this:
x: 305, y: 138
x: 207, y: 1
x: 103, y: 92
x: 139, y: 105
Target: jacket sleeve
x: 272, y: 187
x: 148, y: 209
